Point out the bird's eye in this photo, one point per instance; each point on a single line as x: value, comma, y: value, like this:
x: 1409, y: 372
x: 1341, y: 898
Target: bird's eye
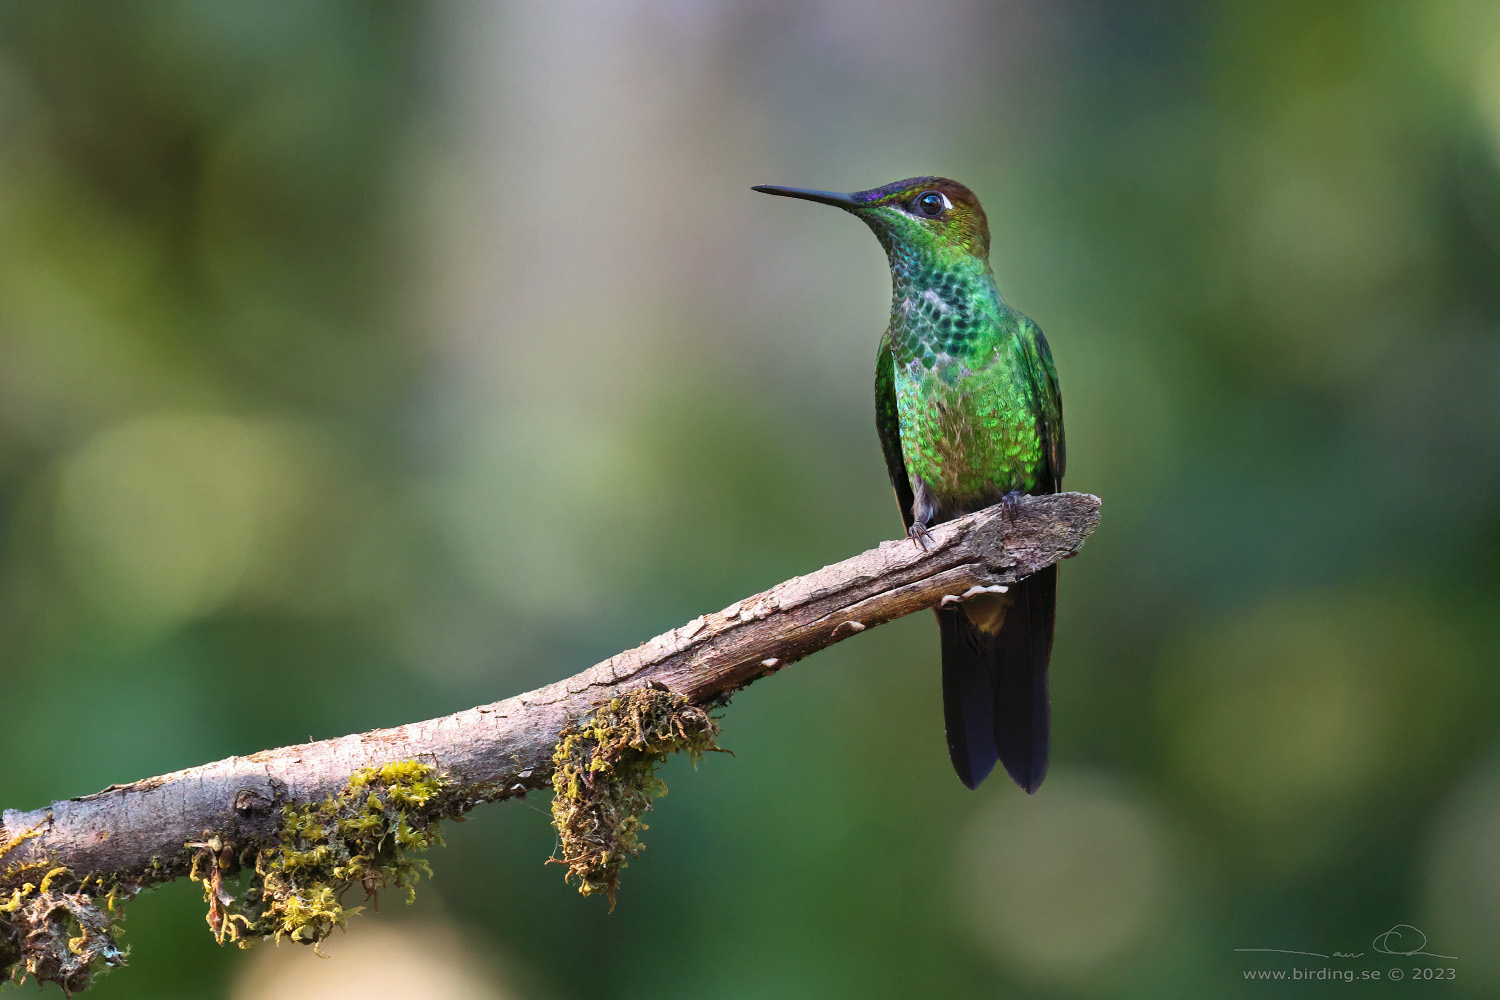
x: 933, y: 203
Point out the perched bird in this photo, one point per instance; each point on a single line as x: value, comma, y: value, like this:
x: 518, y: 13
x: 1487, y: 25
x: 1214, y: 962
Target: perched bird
x: 969, y: 414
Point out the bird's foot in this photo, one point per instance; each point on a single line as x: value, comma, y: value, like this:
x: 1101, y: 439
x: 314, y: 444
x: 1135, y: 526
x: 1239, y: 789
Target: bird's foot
x: 1010, y: 506
x: 918, y: 533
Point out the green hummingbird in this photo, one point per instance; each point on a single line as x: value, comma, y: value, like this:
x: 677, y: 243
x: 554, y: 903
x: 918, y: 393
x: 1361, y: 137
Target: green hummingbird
x: 969, y: 414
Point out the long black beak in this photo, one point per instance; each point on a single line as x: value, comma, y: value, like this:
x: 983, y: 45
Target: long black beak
x: 825, y: 197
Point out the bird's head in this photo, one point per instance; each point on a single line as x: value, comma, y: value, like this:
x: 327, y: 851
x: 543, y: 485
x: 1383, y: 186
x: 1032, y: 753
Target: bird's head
x: 921, y: 214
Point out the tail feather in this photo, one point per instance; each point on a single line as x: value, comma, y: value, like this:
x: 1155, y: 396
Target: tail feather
x: 968, y: 697
x: 1023, y: 711
x: 995, y: 699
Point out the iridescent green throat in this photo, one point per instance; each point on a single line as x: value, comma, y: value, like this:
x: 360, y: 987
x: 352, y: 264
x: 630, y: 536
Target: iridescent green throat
x: 941, y: 307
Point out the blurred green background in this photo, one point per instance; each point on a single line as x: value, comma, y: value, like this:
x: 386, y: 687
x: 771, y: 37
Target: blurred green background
x: 361, y: 362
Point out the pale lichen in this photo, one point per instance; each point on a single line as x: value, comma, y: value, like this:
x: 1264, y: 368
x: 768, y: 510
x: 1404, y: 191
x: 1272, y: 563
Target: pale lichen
x: 53, y: 929
x: 604, y: 779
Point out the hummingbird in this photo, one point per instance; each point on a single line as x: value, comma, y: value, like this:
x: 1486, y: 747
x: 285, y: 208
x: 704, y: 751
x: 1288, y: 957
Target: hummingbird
x: 969, y: 414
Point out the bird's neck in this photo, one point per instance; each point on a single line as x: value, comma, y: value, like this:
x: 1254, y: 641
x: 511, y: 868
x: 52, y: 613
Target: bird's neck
x: 939, y: 302
x: 917, y: 269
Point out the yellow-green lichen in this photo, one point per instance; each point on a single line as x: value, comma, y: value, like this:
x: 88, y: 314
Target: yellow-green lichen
x: 604, y: 779
x: 361, y: 836
x: 21, y: 838
x: 52, y: 929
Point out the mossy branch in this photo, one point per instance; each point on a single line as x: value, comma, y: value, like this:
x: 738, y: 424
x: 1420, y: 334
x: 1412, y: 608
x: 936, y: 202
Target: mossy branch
x: 353, y: 804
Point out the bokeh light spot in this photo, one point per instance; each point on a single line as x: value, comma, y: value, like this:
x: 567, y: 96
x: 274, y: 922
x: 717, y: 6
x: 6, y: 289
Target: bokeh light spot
x: 376, y: 960
x: 1062, y: 884
x: 1487, y: 91
x: 1463, y: 883
x: 159, y: 518
x: 1287, y: 715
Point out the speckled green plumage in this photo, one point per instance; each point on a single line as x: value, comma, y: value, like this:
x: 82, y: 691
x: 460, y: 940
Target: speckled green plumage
x: 973, y: 386
x: 968, y: 412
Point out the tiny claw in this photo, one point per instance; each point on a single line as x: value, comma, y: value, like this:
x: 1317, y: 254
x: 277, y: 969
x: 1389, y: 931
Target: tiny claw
x: 1010, y: 505
x: 918, y: 533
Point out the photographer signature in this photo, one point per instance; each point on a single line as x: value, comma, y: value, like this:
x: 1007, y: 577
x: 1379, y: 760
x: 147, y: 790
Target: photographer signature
x: 1402, y: 940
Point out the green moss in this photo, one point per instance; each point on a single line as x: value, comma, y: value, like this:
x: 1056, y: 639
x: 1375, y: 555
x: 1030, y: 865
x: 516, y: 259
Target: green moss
x: 360, y: 837
x: 604, y: 780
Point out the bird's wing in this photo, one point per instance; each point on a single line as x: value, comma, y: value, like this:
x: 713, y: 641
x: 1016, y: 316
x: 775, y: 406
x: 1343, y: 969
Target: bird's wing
x: 995, y: 698
x: 1043, y: 375
x: 888, y: 425
x: 1019, y: 653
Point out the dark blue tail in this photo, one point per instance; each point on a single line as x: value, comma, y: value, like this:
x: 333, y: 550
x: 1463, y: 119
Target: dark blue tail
x: 995, y: 686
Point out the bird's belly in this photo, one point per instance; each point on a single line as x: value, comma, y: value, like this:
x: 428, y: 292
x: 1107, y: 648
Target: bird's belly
x: 970, y: 442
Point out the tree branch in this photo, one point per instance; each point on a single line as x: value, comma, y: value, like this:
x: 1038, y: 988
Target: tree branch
x: 138, y: 834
